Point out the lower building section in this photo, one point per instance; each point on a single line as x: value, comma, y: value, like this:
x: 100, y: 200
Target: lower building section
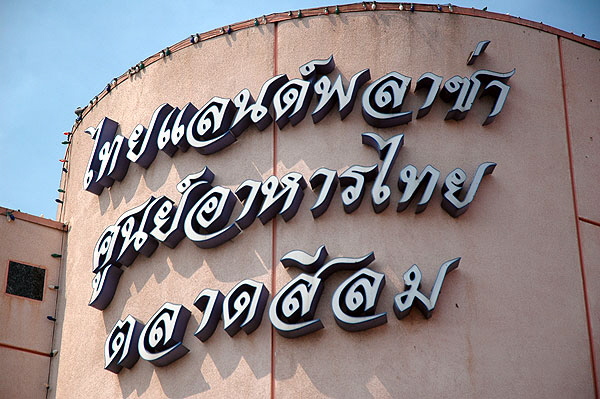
x: 24, y: 374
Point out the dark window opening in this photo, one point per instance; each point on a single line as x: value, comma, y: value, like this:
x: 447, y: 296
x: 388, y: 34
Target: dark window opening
x: 26, y: 281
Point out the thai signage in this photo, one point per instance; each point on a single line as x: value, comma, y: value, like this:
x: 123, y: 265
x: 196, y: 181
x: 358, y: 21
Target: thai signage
x: 204, y: 213
x: 291, y: 312
x: 221, y: 121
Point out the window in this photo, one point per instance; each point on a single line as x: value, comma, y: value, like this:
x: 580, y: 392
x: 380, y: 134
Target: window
x: 25, y: 280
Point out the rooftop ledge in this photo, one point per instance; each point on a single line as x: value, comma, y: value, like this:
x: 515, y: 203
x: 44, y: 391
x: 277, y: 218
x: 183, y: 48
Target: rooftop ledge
x: 33, y: 219
x: 369, y: 6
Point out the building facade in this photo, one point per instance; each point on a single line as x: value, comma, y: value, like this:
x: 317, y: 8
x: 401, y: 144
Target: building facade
x: 263, y: 241
x: 30, y: 250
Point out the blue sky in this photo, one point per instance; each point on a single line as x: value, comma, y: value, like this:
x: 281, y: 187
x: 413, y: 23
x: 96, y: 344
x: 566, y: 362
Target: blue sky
x: 57, y: 55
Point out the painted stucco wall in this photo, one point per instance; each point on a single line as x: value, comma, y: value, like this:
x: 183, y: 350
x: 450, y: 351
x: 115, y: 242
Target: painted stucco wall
x: 513, y: 320
x: 25, y: 332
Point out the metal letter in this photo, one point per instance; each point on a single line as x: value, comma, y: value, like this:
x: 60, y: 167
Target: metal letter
x: 121, y: 346
x: 303, y: 261
x: 250, y: 193
x: 453, y: 186
x: 432, y: 82
x: 106, y: 249
x: 163, y: 140
x: 104, y: 286
x: 388, y: 152
x: 499, y: 90
x: 243, y: 307
x: 211, y: 303
x: 337, y: 264
x: 120, y: 243
x: 143, y: 144
x: 256, y: 112
x: 329, y: 95
x: 314, y: 67
x: 464, y: 92
x: 382, y: 101
x: 134, y: 233
x: 108, y: 161
x: 161, y: 341
x: 355, y: 300
x: 208, y: 131
x: 178, y: 132
x: 283, y: 197
x: 354, y: 179
x: 412, y: 281
x: 328, y: 179
x: 205, y: 223
x: 291, y: 102
x: 293, y: 308
x: 169, y: 229
x: 479, y: 49
x: 409, y: 182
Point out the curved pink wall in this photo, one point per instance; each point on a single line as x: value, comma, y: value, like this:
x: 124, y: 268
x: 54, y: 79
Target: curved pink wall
x: 515, y: 319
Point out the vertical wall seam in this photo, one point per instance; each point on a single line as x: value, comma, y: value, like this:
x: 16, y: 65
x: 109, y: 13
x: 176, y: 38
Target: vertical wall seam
x: 62, y: 265
x: 577, y: 218
x: 274, y: 223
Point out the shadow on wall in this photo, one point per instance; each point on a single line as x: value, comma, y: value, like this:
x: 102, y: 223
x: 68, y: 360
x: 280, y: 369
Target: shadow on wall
x: 362, y: 371
x: 184, y: 377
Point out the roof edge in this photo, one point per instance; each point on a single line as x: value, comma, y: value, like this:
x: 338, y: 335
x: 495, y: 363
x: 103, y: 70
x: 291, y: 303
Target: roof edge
x: 371, y: 6
x: 34, y: 219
